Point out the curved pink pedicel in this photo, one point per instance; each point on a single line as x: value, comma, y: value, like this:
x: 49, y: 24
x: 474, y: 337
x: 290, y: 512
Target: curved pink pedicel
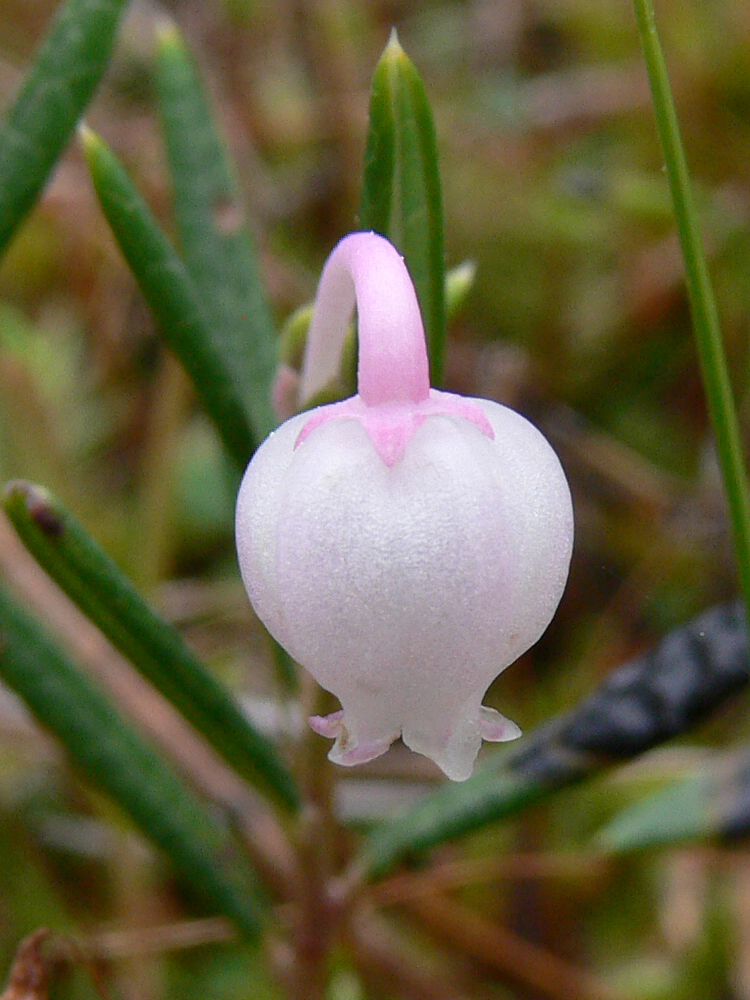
x: 394, y: 397
x: 365, y: 268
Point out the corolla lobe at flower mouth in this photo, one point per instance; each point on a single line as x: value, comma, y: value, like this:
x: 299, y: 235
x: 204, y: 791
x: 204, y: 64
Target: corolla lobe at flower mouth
x: 404, y: 545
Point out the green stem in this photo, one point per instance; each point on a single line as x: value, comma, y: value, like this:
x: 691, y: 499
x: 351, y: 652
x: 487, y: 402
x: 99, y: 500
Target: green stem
x: 721, y: 406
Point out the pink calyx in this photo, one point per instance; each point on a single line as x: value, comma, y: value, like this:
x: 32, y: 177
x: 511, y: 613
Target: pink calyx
x: 391, y: 426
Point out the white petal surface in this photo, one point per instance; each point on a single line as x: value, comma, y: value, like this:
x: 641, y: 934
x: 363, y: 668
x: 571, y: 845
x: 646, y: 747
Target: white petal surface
x: 406, y: 590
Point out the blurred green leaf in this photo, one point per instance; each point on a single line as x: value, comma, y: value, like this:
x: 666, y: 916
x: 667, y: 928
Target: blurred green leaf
x: 216, y: 243
x: 105, y: 595
x: 58, y: 87
x: 459, y: 282
x: 205, y: 497
x: 293, y: 336
x: 170, y: 293
x: 401, y: 196
x: 681, y: 811
x: 122, y: 764
x: 492, y: 794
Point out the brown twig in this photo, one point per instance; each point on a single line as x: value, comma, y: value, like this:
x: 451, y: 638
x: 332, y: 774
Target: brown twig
x: 30, y: 973
x: 507, y: 952
x: 379, y: 955
x: 180, y: 936
x: 404, y: 886
x: 40, y: 959
x: 317, y: 913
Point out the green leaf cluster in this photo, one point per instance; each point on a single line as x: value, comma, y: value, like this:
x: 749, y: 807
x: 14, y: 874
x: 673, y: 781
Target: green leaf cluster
x: 208, y: 299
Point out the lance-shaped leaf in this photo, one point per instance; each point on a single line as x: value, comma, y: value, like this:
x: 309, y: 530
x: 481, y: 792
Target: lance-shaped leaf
x: 713, y: 803
x: 125, y: 766
x: 91, y: 579
x: 216, y: 244
x: 641, y: 704
x: 169, y: 291
x: 52, y: 98
x: 682, y: 811
x: 401, y: 196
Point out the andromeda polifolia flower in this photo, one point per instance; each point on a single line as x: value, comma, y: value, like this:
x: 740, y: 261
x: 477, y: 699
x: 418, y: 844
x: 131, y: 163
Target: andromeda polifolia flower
x: 405, y: 545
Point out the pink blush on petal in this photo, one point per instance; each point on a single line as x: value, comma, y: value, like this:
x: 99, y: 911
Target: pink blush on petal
x: 391, y: 426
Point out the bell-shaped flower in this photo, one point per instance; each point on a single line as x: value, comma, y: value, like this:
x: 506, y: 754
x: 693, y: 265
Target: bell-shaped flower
x: 405, y: 545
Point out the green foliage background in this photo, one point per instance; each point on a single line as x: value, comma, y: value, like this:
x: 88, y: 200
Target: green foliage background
x: 232, y: 166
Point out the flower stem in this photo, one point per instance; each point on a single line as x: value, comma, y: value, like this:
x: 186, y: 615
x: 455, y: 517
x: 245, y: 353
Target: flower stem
x: 714, y: 372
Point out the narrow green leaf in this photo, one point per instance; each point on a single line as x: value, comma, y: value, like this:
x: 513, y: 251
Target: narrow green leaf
x: 491, y: 795
x: 216, y: 242
x: 122, y: 764
x: 379, y: 176
x: 711, y: 803
x: 401, y: 196
x: 41, y: 121
x: 90, y: 578
x: 170, y: 293
x: 680, y: 812
x: 722, y: 408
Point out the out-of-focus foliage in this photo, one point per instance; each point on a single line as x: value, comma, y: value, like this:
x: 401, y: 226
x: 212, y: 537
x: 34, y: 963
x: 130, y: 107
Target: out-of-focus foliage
x: 553, y: 185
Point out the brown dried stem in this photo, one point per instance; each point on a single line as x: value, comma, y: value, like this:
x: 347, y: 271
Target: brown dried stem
x: 507, y: 952
x: 379, y: 955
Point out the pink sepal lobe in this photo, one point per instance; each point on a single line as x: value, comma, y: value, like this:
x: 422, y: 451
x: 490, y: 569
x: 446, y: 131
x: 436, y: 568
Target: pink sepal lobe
x: 391, y: 426
x: 495, y: 728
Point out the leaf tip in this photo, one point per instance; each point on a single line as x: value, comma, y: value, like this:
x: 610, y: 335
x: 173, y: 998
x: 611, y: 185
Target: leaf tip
x: 394, y: 51
x: 393, y: 42
x: 35, y: 502
x: 458, y: 283
x: 394, y: 55
x: 18, y: 492
x: 90, y: 141
x: 168, y: 36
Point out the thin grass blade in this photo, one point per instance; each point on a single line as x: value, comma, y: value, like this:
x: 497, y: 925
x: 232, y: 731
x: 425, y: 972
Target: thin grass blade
x: 401, y: 196
x: 216, y: 243
x: 41, y: 121
x: 123, y: 765
x: 722, y: 408
x: 93, y: 581
x: 169, y: 291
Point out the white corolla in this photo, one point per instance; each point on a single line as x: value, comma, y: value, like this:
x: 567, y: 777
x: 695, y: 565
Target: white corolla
x: 405, y: 545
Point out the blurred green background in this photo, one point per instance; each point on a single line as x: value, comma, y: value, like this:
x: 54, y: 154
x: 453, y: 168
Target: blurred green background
x: 553, y: 185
